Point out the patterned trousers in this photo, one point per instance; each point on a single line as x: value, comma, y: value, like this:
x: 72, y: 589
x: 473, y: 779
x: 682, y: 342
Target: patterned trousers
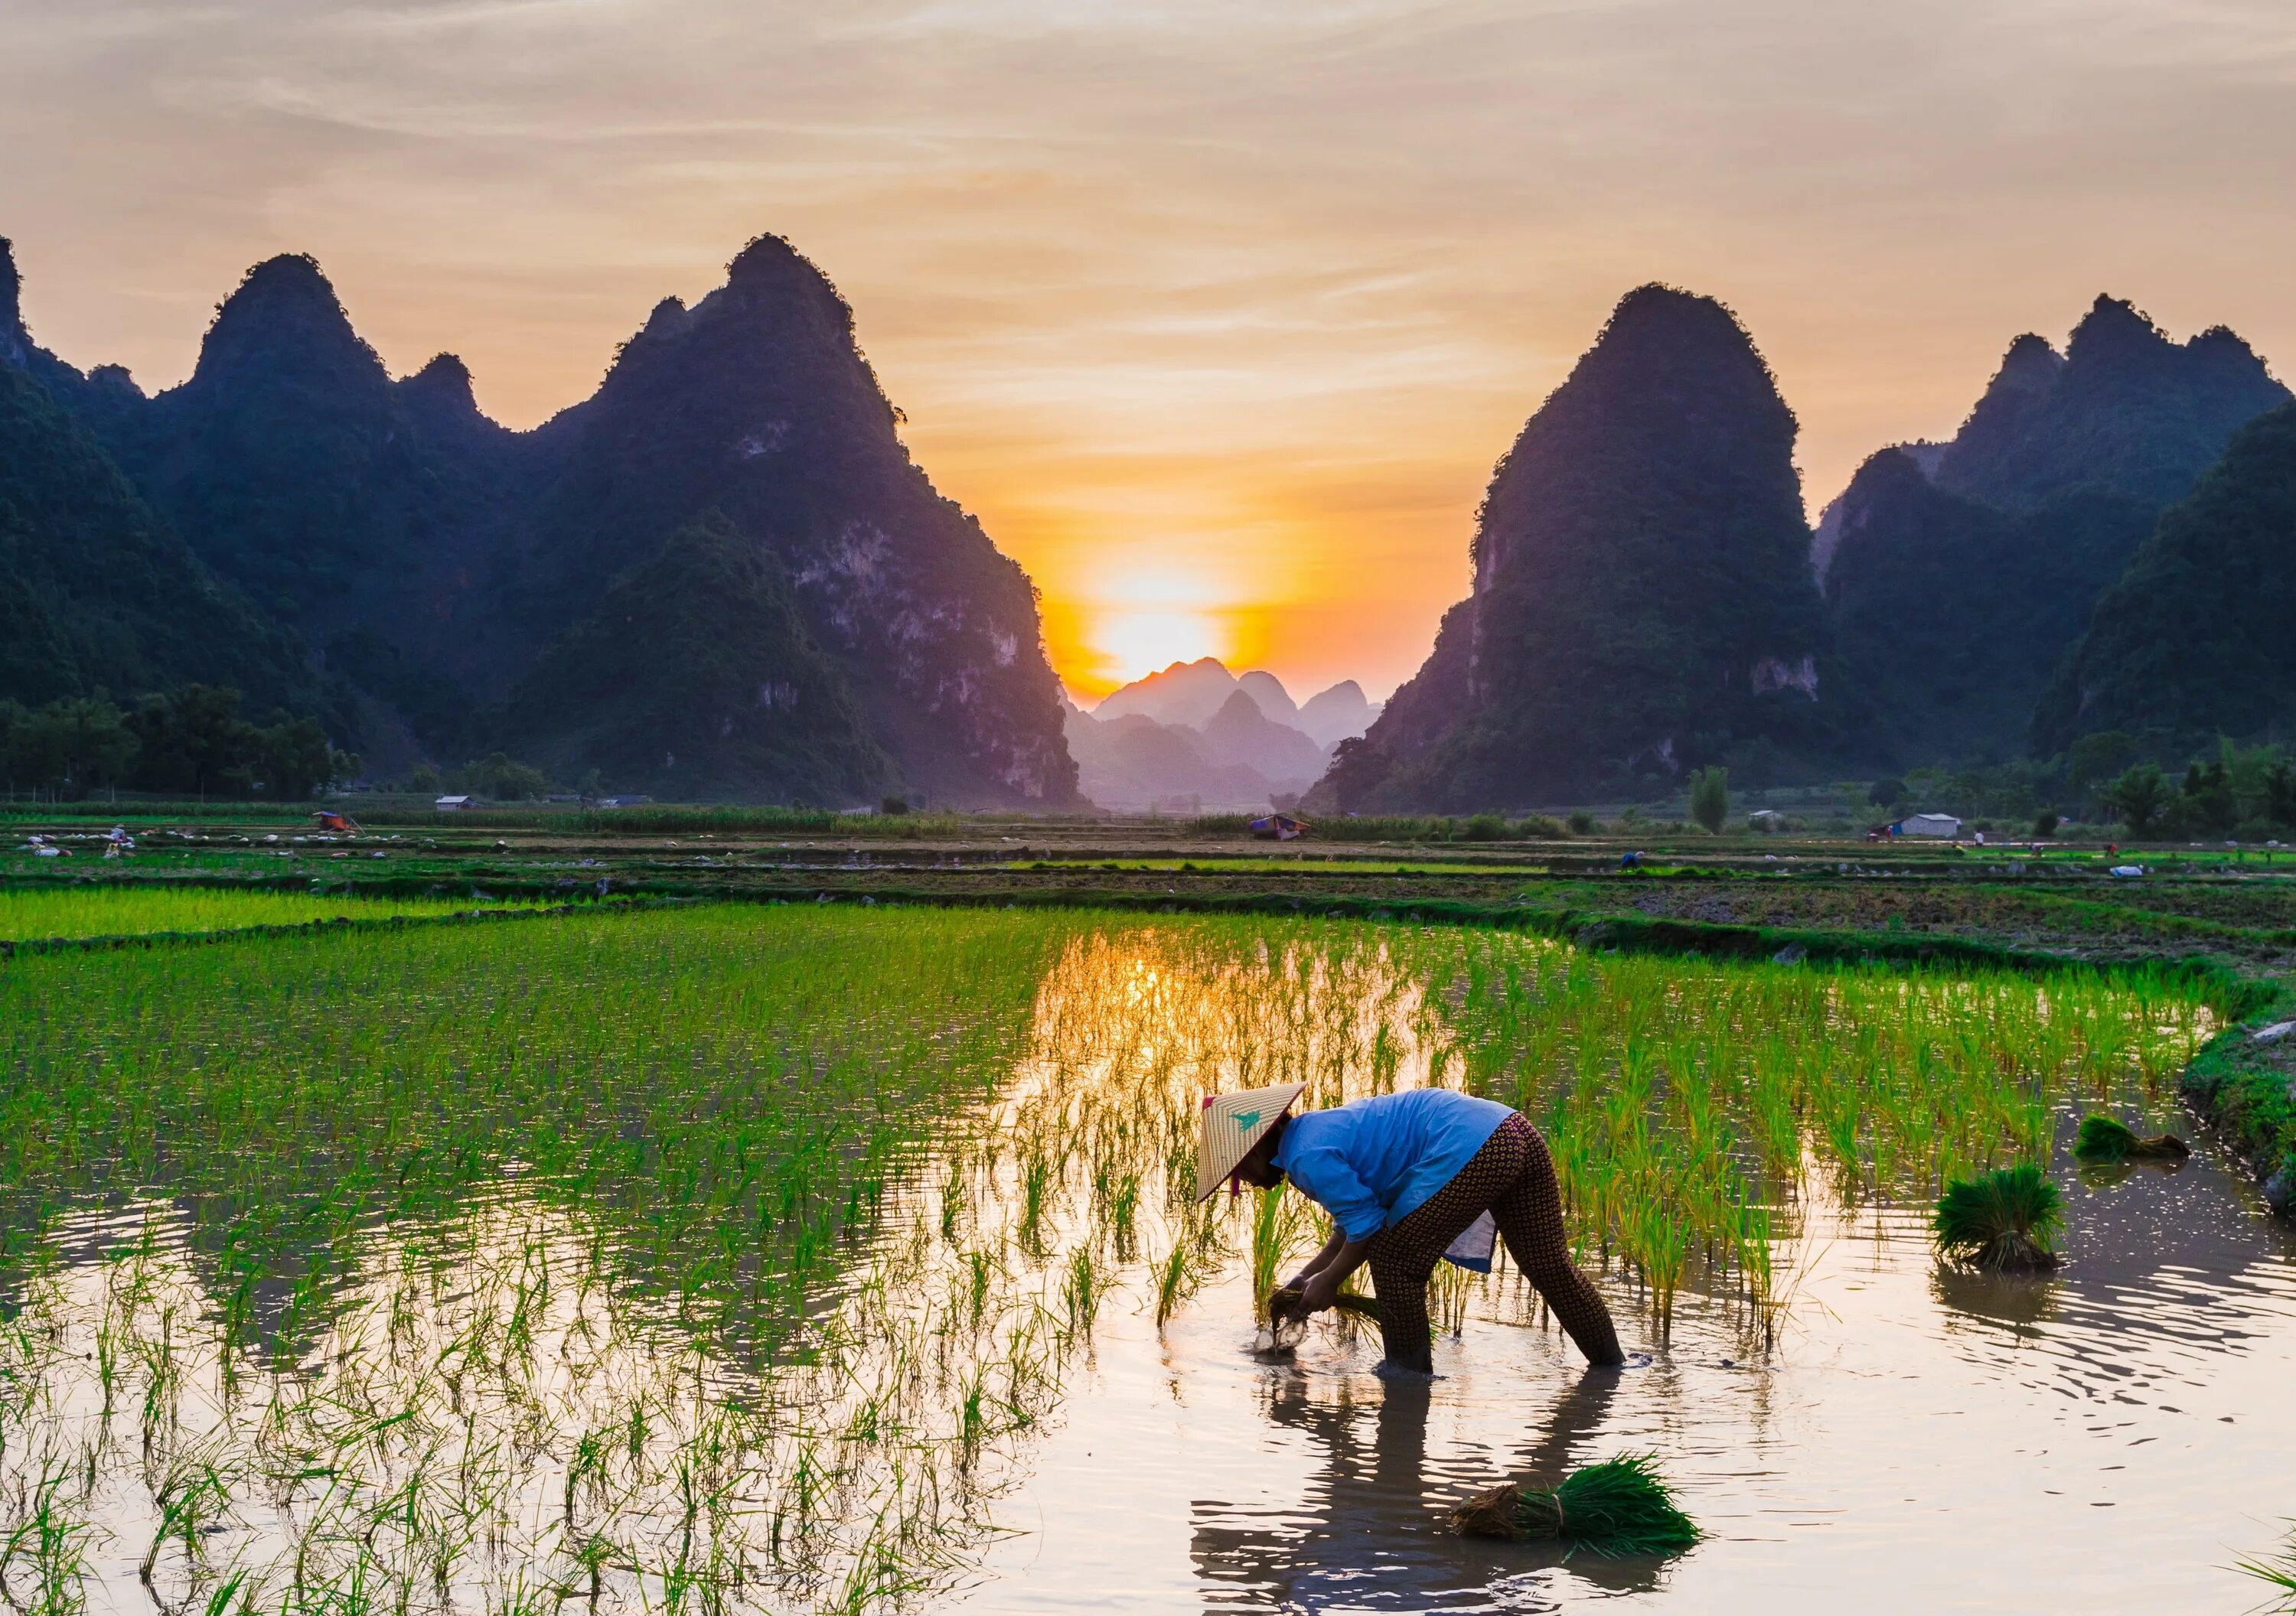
x: 1513, y: 1178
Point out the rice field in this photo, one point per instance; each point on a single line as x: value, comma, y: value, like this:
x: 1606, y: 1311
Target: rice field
x: 1295, y: 864
x: 741, y: 1258
x: 35, y: 914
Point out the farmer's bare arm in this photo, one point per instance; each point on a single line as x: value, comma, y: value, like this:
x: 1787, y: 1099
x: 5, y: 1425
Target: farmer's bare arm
x: 1324, y: 1289
x: 1320, y: 1261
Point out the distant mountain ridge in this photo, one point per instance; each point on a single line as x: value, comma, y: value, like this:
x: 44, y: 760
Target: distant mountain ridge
x: 2125, y: 409
x: 452, y: 584
x: 1190, y: 692
x: 1194, y: 731
x: 1958, y: 576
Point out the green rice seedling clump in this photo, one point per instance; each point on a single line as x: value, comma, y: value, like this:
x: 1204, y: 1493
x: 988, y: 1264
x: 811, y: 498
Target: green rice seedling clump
x: 2007, y: 1219
x: 2106, y: 1138
x: 1618, y: 1507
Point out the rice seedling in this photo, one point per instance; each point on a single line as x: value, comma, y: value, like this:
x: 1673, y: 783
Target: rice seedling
x: 2108, y: 1138
x: 37, y: 914
x: 1618, y: 1507
x: 2278, y: 1573
x: 1284, y: 1302
x: 2007, y: 1219
x: 1279, y: 1220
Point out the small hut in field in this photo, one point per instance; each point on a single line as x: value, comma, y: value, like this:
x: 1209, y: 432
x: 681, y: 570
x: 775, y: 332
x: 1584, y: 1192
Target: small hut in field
x: 1941, y: 825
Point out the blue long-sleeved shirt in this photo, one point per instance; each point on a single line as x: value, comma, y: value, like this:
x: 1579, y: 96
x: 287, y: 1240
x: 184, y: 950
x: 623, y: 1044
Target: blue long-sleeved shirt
x: 1372, y: 1161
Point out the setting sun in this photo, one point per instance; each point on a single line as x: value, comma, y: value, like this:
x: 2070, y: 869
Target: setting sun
x: 1133, y: 643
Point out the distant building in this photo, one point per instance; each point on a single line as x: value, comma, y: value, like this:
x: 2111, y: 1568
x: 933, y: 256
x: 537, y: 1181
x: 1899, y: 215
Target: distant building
x: 1942, y: 825
x: 454, y: 805
x: 636, y: 801
x: 1279, y: 827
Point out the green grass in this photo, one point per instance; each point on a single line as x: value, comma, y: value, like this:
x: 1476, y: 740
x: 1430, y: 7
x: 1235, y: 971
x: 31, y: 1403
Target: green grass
x: 36, y: 914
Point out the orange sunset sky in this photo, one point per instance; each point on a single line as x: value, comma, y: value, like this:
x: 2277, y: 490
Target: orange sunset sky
x: 1217, y: 314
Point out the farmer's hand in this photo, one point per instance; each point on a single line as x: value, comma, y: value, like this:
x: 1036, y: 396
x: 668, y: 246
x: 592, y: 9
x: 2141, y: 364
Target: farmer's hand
x: 1298, y: 1281
x: 1318, y: 1296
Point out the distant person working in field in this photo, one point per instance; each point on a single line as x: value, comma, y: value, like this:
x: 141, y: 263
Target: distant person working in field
x: 1405, y: 1176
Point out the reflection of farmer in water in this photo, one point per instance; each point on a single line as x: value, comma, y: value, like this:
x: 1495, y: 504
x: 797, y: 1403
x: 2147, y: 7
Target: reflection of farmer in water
x: 1405, y: 1176
x: 1365, y: 1533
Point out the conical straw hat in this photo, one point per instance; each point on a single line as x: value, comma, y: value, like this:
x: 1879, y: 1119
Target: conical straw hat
x: 1232, y: 1125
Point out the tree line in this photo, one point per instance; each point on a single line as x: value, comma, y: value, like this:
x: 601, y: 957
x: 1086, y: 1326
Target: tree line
x: 2140, y: 781
x: 192, y: 740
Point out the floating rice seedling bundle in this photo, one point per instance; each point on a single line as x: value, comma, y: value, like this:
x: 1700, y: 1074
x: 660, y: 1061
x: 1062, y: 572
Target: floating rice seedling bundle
x: 2107, y: 1138
x: 1618, y: 1507
x: 2007, y: 1219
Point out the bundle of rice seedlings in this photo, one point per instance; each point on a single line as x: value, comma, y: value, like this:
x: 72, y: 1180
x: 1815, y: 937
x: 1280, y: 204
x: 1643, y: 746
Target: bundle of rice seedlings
x: 2005, y: 1219
x: 1284, y: 1304
x: 1619, y: 1506
x: 2103, y: 1138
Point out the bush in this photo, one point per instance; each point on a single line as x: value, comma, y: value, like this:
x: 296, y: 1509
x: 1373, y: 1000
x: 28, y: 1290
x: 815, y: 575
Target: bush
x: 1709, y: 797
x: 501, y: 778
x: 1484, y: 827
x: 2139, y: 799
x: 1581, y: 822
x: 1540, y: 826
x: 2044, y: 825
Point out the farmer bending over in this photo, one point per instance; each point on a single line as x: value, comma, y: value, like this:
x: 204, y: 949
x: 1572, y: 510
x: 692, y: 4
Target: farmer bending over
x: 1403, y: 1177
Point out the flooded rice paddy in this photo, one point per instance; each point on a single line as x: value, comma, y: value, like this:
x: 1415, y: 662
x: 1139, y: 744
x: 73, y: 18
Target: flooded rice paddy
x: 735, y: 1259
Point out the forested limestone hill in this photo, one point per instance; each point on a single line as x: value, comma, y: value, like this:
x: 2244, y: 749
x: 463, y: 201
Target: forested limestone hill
x: 97, y: 593
x: 2195, y: 638
x: 1642, y: 601
x: 1958, y: 578
x: 431, y: 563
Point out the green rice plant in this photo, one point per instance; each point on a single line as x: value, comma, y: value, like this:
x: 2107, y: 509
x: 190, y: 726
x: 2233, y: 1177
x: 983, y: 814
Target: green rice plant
x: 2277, y: 1571
x: 134, y: 910
x: 1175, y: 1277
x: 1082, y: 1292
x: 2007, y: 1219
x: 1279, y: 1222
x: 2107, y: 1138
x: 1450, y: 1290
x: 1123, y: 1215
x: 1618, y: 1507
